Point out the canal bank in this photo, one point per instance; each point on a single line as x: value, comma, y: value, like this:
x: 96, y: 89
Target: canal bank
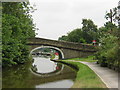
x: 86, y: 78
x: 108, y: 76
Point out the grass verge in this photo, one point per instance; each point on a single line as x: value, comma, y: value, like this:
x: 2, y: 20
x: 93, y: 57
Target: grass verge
x: 86, y: 78
x: 87, y: 59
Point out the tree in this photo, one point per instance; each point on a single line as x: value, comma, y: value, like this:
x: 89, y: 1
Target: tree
x: 17, y: 26
x: 88, y: 33
x: 88, y: 25
x: 111, y: 15
x: 108, y: 54
x: 63, y: 38
x: 76, y: 36
x: 90, y: 30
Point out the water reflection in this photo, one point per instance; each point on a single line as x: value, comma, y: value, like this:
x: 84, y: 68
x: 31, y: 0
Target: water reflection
x: 41, y: 73
x: 43, y: 66
x: 57, y: 84
x: 21, y: 77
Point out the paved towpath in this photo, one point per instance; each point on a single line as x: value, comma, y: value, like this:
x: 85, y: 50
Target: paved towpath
x: 108, y: 76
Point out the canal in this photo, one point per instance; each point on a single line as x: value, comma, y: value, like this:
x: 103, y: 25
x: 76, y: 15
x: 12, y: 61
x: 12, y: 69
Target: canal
x: 40, y: 73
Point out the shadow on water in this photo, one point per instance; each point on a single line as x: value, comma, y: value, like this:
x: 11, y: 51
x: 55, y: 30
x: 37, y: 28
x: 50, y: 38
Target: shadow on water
x: 41, y: 73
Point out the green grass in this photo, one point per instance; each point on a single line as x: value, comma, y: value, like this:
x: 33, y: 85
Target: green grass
x: 86, y: 78
x: 87, y: 59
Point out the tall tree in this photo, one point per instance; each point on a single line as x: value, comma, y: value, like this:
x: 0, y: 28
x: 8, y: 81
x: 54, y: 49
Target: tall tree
x: 88, y: 25
x: 90, y: 29
x: 112, y: 15
x: 17, y: 26
x: 108, y: 54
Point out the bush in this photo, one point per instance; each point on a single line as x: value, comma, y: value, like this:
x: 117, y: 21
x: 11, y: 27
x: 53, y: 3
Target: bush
x: 107, y: 54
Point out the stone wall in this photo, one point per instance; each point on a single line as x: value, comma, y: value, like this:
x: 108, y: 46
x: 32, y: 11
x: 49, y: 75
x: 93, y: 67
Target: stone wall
x: 68, y: 53
x: 69, y: 49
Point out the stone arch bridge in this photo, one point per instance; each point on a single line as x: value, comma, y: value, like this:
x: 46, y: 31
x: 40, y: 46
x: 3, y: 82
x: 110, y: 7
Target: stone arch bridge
x: 69, y: 49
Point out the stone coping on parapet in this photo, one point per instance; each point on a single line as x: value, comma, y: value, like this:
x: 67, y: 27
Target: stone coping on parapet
x: 62, y: 41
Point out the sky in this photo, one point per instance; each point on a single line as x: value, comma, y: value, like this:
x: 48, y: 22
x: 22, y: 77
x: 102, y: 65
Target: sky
x: 55, y: 18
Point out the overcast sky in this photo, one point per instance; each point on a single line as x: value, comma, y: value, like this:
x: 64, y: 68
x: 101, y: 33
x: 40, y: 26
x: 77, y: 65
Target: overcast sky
x: 55, y: 18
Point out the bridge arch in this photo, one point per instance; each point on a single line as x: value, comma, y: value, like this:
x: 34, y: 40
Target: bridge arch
x: 56, y: 72
x: 51, y: 47
x: 66, y: 49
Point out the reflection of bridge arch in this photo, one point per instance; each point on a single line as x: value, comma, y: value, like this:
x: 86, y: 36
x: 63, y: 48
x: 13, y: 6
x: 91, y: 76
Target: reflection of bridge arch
x: 56, y: 72
x: 51, y: 47
x: 50, y: 73
x: 66, y: 73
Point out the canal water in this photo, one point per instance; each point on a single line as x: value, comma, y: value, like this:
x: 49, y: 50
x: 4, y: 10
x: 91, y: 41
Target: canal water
x: 41, y: 73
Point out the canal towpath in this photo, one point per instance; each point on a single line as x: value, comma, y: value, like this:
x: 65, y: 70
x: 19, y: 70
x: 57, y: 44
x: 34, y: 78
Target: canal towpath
x: 108, y: 76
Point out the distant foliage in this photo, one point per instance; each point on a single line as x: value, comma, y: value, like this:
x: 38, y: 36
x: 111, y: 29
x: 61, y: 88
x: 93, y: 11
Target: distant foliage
x: 63, y: 38
x: 17, y: 26
x: 107, y: 36
x: 86, y: 34
x: 76, y: 36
